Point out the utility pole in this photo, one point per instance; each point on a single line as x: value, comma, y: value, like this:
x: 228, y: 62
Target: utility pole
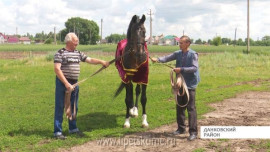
x: 101, y: 31
x: 90, y: 36
x: 150, y: 39
x: 183, y: 32
x: 248, y: 49
x: 54, y: 36
x: 60, y: 33
x: 235, y: 37
x: 74, y: 28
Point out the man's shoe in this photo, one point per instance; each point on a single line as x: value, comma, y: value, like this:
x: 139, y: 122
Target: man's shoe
x: 178, y: 132
x: 61, y: 137
x: 79, y: 133
x: 192, y: 137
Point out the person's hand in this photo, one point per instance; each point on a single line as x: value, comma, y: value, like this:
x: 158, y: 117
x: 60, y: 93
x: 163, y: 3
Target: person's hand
x: 177, y: 70
x: 105, y: 63
x: 69, y: 87
x: 154, y: 59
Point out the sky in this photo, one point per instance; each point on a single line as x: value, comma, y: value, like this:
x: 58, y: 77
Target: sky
x: 202, y: 19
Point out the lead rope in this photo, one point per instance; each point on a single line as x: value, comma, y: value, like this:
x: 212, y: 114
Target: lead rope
x: 178, y: 83
x: 68, y: 111
x: 67, y: 104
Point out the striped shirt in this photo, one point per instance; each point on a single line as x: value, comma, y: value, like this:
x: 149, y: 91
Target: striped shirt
x: 70, y: 62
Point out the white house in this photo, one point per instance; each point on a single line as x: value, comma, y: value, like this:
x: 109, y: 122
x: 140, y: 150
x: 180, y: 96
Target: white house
x: 25, y: 40
x: 2, y: 38
x: 168, y: 40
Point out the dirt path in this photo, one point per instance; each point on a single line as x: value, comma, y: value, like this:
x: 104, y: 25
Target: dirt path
x: 238, y: 111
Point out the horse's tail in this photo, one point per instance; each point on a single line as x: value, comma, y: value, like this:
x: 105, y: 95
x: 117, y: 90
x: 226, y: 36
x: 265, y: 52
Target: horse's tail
x: 119, y: 90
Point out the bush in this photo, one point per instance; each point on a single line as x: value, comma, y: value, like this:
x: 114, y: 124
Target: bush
x: 217, y: 41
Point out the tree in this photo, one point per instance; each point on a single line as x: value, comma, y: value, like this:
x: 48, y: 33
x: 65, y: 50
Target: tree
x: 266, y: 41
x: 265, y: 38
x: 43, y: 37
x: 209, y: 41
x: 199, y: 41
x: 115, y: 38
x: 217, y: 41
x: 86, y: 30
x: 251, y: 41
x: 226, y: 41
x: 240, y: 42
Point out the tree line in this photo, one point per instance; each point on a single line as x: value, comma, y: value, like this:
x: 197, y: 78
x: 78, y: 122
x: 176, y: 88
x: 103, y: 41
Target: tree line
x: 88, y: 33
x: 265, y: 41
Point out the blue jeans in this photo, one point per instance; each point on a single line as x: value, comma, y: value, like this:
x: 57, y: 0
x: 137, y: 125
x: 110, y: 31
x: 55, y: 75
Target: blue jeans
x: 59, y: 107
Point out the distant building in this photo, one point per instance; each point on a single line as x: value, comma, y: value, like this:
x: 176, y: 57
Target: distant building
x: 12, y: 39
x: 39, y: 42
x: 155, y: 39
x: 2, y: 38
x: 103, y: 41
x: 169, y: 40
x: 25, y: 40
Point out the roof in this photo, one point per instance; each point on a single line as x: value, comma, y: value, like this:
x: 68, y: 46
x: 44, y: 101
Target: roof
x: 5, y: 37
x: 12, y: 39
x: 170, y: 37
x: 24, y: 39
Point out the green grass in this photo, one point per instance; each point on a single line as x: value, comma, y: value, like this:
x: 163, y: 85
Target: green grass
x: 27, y: 93
x: 151, y: 48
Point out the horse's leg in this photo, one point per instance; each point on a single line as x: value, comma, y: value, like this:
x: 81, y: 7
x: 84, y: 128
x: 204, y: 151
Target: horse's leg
x: 129, y: 103
x: 135, y: 108
x: 143, y: 102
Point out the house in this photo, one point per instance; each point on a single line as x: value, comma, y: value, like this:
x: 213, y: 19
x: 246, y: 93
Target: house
x: 169, y: 40
x: 103, y: 41
x: 12, y: 39
x: 155, y: 39
x: 2, y: 38
x: 25, y: 40
x: 39, y: 41
x: 177, y: 40
x: 147, y: 39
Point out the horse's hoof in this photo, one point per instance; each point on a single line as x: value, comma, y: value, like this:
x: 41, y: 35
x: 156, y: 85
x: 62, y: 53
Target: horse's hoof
x: 145, y: 125
x: 127, y: 124
x: 135, y: 111
x: 131, y: 112
x: 144, y: 121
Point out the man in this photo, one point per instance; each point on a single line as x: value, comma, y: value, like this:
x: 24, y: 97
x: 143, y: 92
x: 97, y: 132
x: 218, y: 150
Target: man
x: 187, y: 65
x: 67, y: 70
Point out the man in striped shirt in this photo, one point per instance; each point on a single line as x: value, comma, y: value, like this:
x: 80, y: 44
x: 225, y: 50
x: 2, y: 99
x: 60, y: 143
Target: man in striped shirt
x: 67, y: 69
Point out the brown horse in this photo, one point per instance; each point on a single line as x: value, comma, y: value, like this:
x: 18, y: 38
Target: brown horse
x: 133, y: 67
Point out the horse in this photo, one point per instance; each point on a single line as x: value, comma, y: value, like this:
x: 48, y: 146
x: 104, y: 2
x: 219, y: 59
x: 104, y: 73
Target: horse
x: 133, y: 67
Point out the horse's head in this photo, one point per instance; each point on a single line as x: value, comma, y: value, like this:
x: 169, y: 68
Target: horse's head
x: 136, y: 33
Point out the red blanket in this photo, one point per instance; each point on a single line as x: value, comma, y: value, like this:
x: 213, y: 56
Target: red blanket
x: 141, y: 76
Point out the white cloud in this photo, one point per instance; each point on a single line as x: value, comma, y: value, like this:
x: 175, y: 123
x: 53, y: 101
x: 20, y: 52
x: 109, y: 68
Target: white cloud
x: 197, y: 18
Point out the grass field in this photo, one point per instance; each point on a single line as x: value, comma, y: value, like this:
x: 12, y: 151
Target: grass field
x: 112, y: 47
x: 27, y: 93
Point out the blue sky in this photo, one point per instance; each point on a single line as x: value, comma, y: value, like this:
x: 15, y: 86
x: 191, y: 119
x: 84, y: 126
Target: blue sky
x: 197, y: 18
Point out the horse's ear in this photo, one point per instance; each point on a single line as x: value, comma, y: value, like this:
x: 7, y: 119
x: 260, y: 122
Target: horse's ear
x: 134, y: 19
x: 143, y: 19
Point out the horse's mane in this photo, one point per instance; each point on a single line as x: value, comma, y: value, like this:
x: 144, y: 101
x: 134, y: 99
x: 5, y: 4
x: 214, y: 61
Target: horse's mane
x: 134, y: 18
